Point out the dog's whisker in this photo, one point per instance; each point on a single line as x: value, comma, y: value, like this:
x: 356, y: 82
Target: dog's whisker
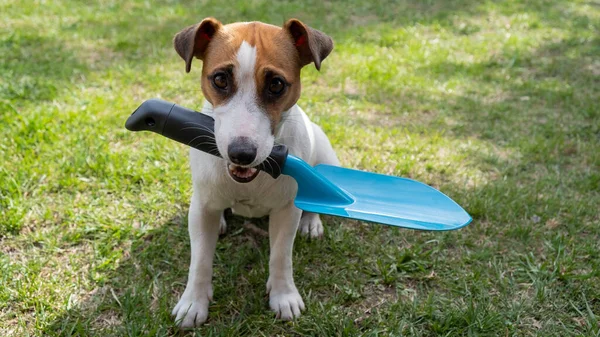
x: 208, y: 138
x: 214, y: 152
x: 211, y: 144
x: 267, y: 162
x: 198, y: 128
x: 276, y: 163
x: 211, y: 140
x: 278, y: 166
x: 211, y: 149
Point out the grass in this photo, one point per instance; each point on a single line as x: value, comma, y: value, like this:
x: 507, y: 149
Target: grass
x: 494, y: 103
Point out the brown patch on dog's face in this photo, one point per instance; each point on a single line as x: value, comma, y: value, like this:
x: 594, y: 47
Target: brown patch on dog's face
x: 251, y: 75
x: 276, y: 72
x: 281, y: 53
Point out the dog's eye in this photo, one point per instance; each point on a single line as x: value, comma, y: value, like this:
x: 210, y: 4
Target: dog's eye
x: 220, y: 81
x: 276, y: 86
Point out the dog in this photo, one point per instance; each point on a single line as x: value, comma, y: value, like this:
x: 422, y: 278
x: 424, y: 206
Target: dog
x: 251, y: 83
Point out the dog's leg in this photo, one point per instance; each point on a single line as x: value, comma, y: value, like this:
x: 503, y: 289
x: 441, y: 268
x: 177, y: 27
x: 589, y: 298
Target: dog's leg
x: 203, y: 226
x: 222, y: 224
x: 284, y: 298
x: 310, y: 224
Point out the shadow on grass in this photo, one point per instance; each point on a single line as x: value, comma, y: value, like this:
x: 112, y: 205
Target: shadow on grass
x: 136, y: 297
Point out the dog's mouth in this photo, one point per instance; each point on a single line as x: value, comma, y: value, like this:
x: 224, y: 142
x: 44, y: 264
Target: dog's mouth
x: 242, y: 174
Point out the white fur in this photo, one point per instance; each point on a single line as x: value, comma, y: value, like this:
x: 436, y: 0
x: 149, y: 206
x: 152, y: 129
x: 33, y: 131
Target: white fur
x: 241, y: 116
x: 214, y: 191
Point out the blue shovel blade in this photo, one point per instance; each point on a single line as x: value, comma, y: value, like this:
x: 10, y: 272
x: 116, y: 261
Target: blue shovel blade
x: 373, y: 197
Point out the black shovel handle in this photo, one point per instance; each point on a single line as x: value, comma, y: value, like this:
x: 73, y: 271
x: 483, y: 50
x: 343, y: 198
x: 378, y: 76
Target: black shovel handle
x: 193, y: 129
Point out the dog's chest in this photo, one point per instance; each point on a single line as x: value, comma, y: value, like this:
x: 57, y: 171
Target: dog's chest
x: 261, y: 197
x: 249, y: 208
x: 257, y: 198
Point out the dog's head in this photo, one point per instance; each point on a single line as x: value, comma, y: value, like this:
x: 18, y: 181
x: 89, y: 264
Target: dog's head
x: 250, y: 75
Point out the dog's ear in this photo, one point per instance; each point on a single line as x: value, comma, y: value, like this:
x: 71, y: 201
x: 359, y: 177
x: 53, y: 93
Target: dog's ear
x: 193, y: 40
x: 312, y: 45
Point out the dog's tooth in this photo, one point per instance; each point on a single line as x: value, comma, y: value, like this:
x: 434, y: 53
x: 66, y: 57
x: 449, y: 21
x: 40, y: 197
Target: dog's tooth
x: 241, y: 172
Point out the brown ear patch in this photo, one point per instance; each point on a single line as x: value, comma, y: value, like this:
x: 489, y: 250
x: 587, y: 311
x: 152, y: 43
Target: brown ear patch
x: 193, y: 40
x: 312, y: 45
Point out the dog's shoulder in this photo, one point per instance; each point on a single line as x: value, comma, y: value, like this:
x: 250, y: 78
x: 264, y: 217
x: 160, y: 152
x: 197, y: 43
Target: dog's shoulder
x: 296, y: 132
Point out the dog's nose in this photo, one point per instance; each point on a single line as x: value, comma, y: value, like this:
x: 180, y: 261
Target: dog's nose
x: 241, y: 151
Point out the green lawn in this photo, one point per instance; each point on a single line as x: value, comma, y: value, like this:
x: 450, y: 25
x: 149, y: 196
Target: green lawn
x: 497, y: 104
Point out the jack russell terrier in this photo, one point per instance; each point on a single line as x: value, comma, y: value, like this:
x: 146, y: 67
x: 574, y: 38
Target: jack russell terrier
x: 251, y: 83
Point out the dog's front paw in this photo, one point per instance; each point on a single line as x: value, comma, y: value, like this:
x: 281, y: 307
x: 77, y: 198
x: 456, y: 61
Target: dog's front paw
x: 287, y: 304
x: 191, y: 311
x: 311, y: 225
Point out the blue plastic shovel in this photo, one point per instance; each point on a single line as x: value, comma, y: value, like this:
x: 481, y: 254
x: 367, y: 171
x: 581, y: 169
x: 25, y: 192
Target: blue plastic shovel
x: 322, y: 189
